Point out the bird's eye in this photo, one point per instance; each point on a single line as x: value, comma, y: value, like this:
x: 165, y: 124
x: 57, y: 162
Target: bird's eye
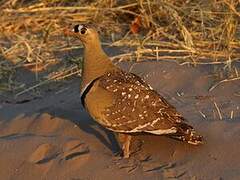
x: 83, y: 30
x: 80, y: 28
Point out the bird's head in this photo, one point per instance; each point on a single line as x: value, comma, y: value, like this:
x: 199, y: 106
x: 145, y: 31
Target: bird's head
x: 86, y: 33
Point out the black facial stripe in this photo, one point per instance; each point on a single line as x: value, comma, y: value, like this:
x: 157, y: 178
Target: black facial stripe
x: 76, y: 30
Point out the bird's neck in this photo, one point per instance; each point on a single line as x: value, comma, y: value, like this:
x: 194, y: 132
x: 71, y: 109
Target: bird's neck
x: 96, y: 63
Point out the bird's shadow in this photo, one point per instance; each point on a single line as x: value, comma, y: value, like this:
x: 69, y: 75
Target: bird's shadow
x: 50, y: 102
x: 84, y: 122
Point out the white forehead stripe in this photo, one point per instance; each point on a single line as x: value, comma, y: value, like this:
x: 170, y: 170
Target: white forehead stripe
x: 80, y: 27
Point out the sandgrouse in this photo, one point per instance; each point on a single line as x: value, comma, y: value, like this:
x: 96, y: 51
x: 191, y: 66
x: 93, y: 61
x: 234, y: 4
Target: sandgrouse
x: 121, y: 101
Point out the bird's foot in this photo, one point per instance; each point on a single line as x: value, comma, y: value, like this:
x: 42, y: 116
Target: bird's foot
x: 126, y: 152
x: 126, y: 140
x: 126, y: 147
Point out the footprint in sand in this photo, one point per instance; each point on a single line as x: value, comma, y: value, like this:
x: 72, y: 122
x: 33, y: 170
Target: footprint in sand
x: 43, y: 154
x: 73, y: 149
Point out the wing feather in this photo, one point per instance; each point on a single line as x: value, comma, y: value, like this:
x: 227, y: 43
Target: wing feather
x: 136, y: 107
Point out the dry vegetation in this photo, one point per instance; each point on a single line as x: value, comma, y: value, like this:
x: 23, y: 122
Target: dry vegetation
x: 194, y: 32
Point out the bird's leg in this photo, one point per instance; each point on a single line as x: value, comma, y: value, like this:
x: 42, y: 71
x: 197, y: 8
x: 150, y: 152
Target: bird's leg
x: 125, y: 140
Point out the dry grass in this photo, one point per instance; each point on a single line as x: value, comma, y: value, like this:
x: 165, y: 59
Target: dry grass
x: 192, y: 32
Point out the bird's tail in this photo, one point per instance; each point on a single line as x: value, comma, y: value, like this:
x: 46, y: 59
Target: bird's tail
x: 186, y: 133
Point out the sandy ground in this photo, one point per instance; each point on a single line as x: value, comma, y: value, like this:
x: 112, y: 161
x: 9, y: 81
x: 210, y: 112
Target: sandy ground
x: 48, y: 135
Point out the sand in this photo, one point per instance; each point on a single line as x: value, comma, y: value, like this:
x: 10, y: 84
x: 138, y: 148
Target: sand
x: 46, y: 134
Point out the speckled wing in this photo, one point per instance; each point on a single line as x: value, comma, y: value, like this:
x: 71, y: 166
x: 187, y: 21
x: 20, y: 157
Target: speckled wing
x: 136, y: 107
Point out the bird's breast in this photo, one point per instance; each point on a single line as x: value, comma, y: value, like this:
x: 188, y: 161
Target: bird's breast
x: 97, y: 100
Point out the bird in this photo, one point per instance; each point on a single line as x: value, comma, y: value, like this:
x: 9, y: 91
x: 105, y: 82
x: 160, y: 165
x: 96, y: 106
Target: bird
x: 123, y: 102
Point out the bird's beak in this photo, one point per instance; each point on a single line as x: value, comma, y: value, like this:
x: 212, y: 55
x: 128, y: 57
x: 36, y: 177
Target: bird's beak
x: 68, y: 32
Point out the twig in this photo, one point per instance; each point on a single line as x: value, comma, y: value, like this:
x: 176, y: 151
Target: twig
x: 232, y: 8
x: 71, y: 8
x: 203, y: 115
x: 231, y: 115
x: 54, y: 77
x: 218, y: 110
x: 157, y: 53
x: 223, y: 81
x: 32, y: 87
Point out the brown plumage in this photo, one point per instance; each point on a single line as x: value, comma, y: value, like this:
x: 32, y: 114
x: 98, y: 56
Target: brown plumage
x: 121, y: 101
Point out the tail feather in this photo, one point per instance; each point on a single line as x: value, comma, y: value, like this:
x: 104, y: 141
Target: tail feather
x: 186, y: 133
